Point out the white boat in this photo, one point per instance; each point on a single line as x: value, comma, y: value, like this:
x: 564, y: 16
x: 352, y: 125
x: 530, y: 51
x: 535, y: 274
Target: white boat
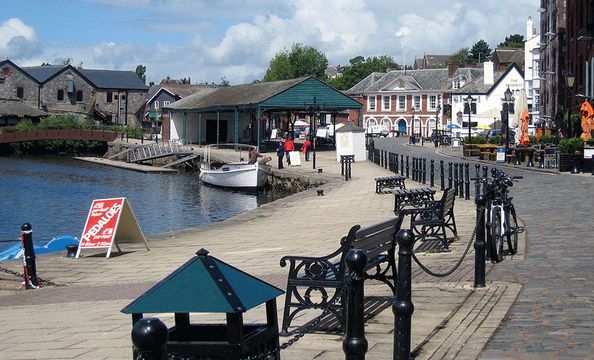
x: 241, y: 174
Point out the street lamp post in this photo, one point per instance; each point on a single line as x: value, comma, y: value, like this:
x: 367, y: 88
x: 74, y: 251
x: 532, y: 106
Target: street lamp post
x: 508, y: 101
x: 312, y: 110
x: 413, y: 139
x: 435, y: 136
x: 469, y: 100
x: 569, y: 81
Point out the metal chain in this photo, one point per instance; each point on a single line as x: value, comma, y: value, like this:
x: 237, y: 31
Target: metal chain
x: 308, y: 328
x: 22, y: 276
x: 449, y: 272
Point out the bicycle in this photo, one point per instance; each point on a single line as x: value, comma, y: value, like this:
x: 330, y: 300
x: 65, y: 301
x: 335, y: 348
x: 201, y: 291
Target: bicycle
x: 501, y: 216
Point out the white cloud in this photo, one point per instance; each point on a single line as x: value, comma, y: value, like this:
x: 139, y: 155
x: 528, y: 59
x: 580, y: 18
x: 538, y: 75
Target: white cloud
x: 17, y: 40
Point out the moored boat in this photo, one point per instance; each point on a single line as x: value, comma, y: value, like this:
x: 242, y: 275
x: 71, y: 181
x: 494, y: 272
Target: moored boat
x: 240, y: 174
x: 58, y: 243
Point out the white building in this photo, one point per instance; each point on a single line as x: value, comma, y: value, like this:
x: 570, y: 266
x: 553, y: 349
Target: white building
x: 531, y: 74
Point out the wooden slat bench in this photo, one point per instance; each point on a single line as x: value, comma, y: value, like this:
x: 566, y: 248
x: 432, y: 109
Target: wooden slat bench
x: 389, y: 182
x: 323, y: 278
x: 408, y: 197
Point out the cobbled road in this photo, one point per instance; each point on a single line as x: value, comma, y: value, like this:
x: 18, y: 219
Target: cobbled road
x: 553, y: 316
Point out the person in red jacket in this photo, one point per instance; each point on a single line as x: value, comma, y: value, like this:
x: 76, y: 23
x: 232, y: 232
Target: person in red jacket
x: 289, y: 146
x: 306, y: 148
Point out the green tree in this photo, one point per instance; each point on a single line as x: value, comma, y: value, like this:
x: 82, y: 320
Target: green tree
x: 301, y: 61
x: 140, y: 72
x: 513, y: 41
x: 460, y: 56
x: 479, y: 52
x: 359, y: 68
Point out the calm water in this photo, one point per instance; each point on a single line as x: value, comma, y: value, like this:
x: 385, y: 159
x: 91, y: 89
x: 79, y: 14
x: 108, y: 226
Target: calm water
x: 54, y: 195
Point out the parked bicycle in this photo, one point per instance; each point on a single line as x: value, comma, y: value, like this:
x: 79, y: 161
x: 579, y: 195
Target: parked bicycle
x: 501, y: 216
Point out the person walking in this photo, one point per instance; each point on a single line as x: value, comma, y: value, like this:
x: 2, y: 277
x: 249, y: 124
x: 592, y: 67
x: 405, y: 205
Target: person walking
x: 306, y: 148
x: 289, y: 146
x: 280, y: 152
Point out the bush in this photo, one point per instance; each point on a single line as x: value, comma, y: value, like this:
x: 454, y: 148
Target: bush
x: 546, y: 139
x: 533, y: 139
x: 570, y: 146
x: 590, y: 142
x: 475, y: 140
x: 495, y: 140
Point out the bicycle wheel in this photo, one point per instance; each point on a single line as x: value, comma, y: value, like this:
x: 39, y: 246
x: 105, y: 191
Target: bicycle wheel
x: 496, y: 243
x: 512, y: 230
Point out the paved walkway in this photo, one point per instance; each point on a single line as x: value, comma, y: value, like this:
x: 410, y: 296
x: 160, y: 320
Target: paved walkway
x: 82, y: 318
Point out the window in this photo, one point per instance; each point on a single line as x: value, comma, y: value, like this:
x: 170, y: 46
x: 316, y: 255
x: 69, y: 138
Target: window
x: 432, y: 102
x: 109, y: 97
x: 166, y: 102
x: 456, y: 84
x: 157, y: 105
x: 371, y: 103
x: 417, y: 102
x: 401, y: 102
x: 123, y: 97
x: 386, y: 103
x: 472, y: 107
x: 20, y: 92
x: 79, y: 95
x: 61, y: 94
x: 115, y: 96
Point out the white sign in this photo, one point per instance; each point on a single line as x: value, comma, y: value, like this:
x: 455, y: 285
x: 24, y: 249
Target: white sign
x: 588, y: 153
x: 295, y: 159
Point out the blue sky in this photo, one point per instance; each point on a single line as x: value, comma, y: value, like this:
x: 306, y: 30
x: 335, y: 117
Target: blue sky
x: 208, y: 39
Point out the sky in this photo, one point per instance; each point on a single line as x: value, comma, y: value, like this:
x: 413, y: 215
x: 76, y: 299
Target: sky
x: 207, y: 40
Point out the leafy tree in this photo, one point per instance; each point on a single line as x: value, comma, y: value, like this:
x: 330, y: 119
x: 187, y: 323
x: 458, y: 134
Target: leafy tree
x: 460, y: 56
x: 185, y: 80
x: 513, y: 41
x: 301, y: 61
x: 359, y: 68
x: 140, y: 72
x: 224, y: 82
x: 479, y: 52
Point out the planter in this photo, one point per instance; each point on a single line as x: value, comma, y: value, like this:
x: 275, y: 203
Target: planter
x: 566, y: 162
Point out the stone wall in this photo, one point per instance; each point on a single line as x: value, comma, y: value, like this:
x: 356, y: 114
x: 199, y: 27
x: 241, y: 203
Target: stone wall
x: 11, y: 78
x: 49, y: 94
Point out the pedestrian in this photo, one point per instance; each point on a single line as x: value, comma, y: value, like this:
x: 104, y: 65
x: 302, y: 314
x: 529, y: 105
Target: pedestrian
x: 306, y: 148
x: 289, y: 146
x: 280, y: 152
x: 254, y: 155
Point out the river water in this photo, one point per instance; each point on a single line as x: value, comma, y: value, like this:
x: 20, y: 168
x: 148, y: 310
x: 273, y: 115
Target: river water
x: 54, y: 195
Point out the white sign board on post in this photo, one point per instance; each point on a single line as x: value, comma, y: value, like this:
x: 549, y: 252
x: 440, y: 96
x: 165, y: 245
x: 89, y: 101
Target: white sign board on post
x: 295, y: 159
x: 110, y: 221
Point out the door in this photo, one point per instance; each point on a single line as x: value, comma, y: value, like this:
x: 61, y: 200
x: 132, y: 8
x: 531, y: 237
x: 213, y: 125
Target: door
x: 211, y: 131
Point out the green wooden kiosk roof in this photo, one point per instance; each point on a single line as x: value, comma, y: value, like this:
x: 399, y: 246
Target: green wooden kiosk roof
x: 294, y: 94
x: 204, y: 284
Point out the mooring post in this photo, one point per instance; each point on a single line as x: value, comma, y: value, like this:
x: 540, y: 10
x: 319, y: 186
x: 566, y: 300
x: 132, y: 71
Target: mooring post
x: 485, y: 176
x: 455, y: 179
x: 30, y: 270
x: 407, y: 166
x: 432, y: 172
x: 450, y: 175
x: 530, y: 162
x: 441, y: 175
x: 479, y: 243
x: 354, y: 344
x: 467, y: 181
x: 396, y: 164
x: 403, y: 306
x: 149, y: 337
x: 461, y: 180
x: 424, y: 171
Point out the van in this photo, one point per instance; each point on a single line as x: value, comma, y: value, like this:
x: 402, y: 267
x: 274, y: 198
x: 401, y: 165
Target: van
x: 378, y: 130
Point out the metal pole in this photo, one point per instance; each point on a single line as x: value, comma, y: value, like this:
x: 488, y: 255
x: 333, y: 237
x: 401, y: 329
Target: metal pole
x: 450, y: 175
x: 354, y: 344
x: 30, y: 270
x: 401, y: 164
x: 407, y: 166
x: 456, y: 179
x: 403, y: 306
x: 479, y: 244
x: 432, y: 172
x: 396, y: 164
x: 467, y: 181
x: 531, y: 159
x: 218, y: 126
x: 461, y: 180
x: 441, y: 175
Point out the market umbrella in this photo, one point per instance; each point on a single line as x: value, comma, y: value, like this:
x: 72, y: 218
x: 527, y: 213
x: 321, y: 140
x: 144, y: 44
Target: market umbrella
x: 301, y: 123
x: 453, y: 126
x: 587, y: 120
x: 520, y: 104
x: 483, y: 127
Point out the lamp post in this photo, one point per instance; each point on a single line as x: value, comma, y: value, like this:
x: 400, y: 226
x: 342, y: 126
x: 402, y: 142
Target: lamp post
x: 508, y: 101
x: 469, y: 100
x: 435, y: 136
x: 569, y: 81
x: 414, y: 110
x: 312, y: 110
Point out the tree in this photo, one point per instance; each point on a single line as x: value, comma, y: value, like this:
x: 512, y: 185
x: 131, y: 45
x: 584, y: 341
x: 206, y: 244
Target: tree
x: 479, y: 52
x: 224, y: 82
x: 140, y: 72
x: 460, y: 56
x: 300, y: 61
x: 513, y: 41
x: 359, y: 68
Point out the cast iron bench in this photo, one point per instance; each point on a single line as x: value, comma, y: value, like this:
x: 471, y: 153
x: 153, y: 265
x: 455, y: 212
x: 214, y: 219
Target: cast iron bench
x: 318, y: 282
x: 432, y: 218
x: 414, y: 197
x: 389, y: 182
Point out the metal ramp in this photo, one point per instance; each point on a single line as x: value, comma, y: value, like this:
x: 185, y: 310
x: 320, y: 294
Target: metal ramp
x: 181, y: 160
x: 158, y: 150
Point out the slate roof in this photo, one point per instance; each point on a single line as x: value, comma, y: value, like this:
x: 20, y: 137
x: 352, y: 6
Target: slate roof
x: 506, y: 56
x: 16, y: 107
x: 182, y: 90
x: 432, y: 61
x: 350, y: 127
x: 364, y: 84
x: 478, y: 86
x: 42, y: 73
x: 245, y: 94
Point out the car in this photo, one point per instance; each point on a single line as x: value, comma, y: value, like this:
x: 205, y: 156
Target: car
x: 497, y: 132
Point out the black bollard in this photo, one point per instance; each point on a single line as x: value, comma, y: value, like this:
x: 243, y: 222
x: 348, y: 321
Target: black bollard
x: 407, y: 166
x: 441, y: 175
x: 575, y: 169
x: 461, y: 180
x: 530, y: 162
x: 341, y: 165
x: 479, y: 243
x: 403, y: 306
x: 432, y: 173
x: 467, y: 181
x: 456, y: 179
x: 424, y: 171
x: 354, y: 344
x: 149, y: 337
x: 450, y: 175
x: 592, y: 165
x: 401, y: 164
x: 30, y: 270
x: 485, y: 176
x: 396, y: 166
x: 518, y: 154
x: 541, y: 164
x: 385, y: 159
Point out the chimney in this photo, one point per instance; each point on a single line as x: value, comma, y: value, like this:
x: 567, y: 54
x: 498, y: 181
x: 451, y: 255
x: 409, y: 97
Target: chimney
x: 529, y: 28
x: 488, y: 73
x: 451, y: 68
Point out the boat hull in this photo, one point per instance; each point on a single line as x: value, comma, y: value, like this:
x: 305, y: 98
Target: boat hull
x: 241, y: 175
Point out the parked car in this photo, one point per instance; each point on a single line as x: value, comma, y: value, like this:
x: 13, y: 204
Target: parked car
x: 497, y: 132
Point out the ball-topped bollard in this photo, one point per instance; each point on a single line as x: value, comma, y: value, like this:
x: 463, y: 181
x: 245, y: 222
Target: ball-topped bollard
x: 30, y: 270
x: 149, y: 337
x: 355, y: 344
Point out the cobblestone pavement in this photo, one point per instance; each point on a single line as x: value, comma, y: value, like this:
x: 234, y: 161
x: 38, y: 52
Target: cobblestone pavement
x: 553, y: 316
x: 81, y: 319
